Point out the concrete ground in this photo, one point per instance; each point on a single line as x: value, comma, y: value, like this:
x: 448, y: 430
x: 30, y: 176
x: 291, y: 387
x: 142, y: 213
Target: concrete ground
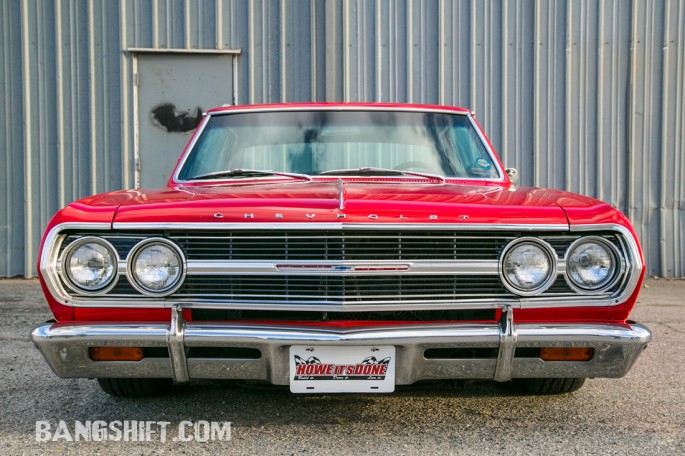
x: 642, y: 413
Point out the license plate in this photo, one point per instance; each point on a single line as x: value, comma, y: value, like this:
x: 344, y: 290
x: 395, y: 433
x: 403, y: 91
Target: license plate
x: 352, y: 369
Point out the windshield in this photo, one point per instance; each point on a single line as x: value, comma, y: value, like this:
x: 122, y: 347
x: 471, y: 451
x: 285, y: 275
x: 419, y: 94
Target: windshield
x: 339, y: 143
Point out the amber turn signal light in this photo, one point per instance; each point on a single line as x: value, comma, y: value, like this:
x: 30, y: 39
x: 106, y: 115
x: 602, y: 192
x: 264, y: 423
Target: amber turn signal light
x: 116, y: 353
x: 566, y: 354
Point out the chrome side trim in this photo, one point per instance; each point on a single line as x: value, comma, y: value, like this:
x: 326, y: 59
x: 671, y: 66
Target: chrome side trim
x: 507, y: 346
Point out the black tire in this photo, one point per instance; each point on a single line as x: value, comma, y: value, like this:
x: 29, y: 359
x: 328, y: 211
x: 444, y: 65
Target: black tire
x: 549, y: 385
x: 135, y: 387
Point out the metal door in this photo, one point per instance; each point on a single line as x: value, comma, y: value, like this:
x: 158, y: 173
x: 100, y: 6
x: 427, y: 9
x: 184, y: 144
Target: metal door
x: 173, y: 90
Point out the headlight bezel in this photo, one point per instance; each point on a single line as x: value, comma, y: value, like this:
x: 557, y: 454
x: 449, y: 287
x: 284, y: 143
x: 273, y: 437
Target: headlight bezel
x: 547, y: 250
x: 614, y: 276
x: 130, y: 269
x: 65, y: 273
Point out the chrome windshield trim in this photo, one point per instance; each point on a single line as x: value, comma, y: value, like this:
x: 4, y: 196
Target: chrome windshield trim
x: 336, y: 226
x: 491, y: 153
x: 416, y: 109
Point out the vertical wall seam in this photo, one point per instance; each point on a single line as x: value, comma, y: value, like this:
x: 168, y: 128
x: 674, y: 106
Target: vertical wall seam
x: 378, y: 74
x: 61, y: 178
x: 127, y: 117
x: 410, y: 51
x: 219, y: 24
x: 599, y: 106
x: 568, y: 96
x: 92, y: 114
x: 283, y: 41
x: 28, y: 149
x: 678, y: 221
x: 186, y: 24
x: 155, y: 24
x: 663, y: 168
x: 631, y: 113
x: 536, y: 92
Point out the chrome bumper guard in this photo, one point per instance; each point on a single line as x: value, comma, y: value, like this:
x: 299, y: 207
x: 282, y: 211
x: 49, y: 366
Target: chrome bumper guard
x: 616, y: 347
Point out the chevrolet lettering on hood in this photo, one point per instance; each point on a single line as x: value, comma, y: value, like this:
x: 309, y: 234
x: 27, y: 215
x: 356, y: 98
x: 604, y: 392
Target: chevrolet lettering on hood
x: 340, y: 248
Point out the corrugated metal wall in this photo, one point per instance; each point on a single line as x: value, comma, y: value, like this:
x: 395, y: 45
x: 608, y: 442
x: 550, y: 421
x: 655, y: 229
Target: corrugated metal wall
x: 587, y: 96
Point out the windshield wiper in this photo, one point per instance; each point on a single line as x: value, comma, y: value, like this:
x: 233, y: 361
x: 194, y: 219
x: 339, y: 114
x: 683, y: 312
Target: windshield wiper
x: 239, y: 172
x: 370, y: 171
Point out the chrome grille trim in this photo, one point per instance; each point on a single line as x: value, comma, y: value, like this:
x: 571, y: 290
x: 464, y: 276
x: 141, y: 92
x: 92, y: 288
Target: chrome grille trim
x: 345, y: 268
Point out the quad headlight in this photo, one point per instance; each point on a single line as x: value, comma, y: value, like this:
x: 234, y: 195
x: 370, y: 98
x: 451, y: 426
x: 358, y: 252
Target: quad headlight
x: 156, y: 267
x: 528, y: 266
x: 592, y: 264
x: 89, y: 265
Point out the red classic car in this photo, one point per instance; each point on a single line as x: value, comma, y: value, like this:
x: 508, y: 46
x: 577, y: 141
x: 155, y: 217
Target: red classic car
x: 340, y: 248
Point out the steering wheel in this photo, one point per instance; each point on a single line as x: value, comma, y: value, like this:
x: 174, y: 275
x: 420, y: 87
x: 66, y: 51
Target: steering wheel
x: 423, y: 166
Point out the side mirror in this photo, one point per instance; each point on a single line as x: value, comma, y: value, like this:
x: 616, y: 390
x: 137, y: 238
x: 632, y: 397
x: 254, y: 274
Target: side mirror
x: 513, y: 175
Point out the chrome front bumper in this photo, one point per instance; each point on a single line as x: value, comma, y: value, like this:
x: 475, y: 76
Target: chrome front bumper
x: 616, y: 347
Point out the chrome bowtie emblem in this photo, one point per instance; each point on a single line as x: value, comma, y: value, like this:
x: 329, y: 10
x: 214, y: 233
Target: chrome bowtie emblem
x: 310, y: 216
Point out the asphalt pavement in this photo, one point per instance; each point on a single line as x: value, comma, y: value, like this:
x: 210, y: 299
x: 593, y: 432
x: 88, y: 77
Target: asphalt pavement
x: 642, y: 413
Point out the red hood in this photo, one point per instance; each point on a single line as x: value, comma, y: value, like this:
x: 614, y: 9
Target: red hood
x: 384, y: 202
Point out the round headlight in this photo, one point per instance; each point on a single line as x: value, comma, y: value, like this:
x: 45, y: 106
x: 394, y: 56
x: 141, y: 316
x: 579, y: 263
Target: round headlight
x: 528, y: 266
x: 90, y: 264
x: 156, y: 267
x: 591, y: 264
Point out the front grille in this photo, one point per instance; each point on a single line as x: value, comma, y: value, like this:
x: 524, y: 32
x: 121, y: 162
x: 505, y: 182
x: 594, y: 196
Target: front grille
x: 402, y: 316
x: 229, y: 287
x: 339, y: 246
x: 341, y: 289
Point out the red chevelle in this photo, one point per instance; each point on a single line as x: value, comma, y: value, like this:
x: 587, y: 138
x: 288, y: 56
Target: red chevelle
x: 340, y: 248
